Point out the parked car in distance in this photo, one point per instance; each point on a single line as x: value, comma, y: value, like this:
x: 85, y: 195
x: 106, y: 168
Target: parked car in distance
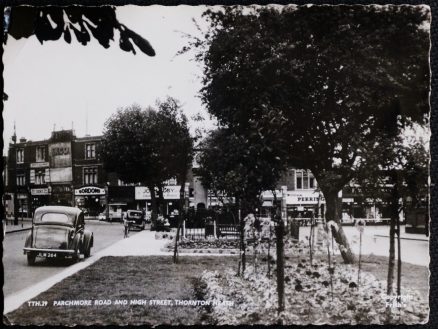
x: 58, y: 231
x: 136, y: 219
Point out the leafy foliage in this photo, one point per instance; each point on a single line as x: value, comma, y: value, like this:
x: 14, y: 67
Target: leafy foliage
x: 317, y: 83
x: 238, y: 165
x: 322, y: 79
x: 147, y: 146
x: 52, y: 23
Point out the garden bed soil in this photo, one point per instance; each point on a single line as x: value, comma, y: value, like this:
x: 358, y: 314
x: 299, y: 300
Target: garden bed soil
x: 310, y: 297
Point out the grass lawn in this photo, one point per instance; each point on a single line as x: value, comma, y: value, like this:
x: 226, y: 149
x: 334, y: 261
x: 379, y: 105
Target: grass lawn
x: 150, y: 278
x: 130, y: 278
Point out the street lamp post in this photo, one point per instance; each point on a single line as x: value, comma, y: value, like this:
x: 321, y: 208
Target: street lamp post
x: 107, y: 200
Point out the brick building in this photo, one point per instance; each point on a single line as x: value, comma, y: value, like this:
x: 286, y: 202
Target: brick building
x: 67, y: 170
x: 55, y: 171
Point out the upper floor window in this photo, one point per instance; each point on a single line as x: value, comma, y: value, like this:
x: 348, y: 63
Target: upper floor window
x: 20, y: 155
x: 90, y: 151
x: 40, y: 154
x: 21, y: 180
x: 305, y: 180
x: 90, y: 175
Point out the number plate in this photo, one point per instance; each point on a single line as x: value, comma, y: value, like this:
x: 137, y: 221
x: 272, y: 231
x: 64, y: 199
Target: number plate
x: 47, y: 254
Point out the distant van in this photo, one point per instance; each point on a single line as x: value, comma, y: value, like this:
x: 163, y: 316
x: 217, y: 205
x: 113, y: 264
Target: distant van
x: 115, y: 211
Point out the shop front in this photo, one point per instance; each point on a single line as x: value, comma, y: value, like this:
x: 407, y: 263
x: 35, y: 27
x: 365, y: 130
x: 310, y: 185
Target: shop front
x: 23, y: 205
x: 91, y: 199
x: 171, y: 196
x: 62, y: 195
x: 305, y: 204
x: 40, y: 197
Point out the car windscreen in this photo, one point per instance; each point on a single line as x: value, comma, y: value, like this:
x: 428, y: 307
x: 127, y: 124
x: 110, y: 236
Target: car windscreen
x: 55, y: 217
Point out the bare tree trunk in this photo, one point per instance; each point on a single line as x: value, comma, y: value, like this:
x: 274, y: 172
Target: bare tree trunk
x: 399, y: 261
x: 242, y: 264
x: 154, y: 214
x: 394, y: 228
x: 269, y: 253
x: 180, y: 218
x: 391, y: 261
x: 279, y: 232
x: 333, y: 212
x: 161, y: 200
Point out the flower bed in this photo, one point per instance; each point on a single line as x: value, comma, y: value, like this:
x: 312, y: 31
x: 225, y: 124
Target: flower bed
x: 309, y: 297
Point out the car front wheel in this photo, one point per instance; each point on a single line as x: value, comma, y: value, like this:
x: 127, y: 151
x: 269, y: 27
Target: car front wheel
x: 31, y: 258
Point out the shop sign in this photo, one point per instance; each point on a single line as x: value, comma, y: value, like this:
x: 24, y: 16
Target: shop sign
x: 39, y: 164
x: 90, y: 190
x: 39, y: 191
x: 142, y: 193
x: 304, y: 197
x: 349, y: 200
x: 170, y: 192
x: 60, y: 154
x: 21, y: 196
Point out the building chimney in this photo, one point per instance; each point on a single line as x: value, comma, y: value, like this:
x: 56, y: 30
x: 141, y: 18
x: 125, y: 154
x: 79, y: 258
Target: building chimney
x: 22, y: 140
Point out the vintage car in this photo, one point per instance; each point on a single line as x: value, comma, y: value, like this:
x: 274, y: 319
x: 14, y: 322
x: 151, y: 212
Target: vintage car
x: 135, y: 219
x: 58, y: 232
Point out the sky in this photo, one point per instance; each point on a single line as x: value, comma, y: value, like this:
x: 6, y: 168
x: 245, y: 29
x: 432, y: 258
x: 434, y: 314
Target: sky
x: 59, y: 85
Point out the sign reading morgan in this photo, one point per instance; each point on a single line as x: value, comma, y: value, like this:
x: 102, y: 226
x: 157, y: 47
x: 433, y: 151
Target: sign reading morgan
x: 90, y: 190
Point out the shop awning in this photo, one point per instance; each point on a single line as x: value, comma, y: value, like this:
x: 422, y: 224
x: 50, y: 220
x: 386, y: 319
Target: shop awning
x: 267, y: 204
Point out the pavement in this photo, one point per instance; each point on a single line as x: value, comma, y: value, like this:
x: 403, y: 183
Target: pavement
x: 375, y: 241
x: 26, y: 224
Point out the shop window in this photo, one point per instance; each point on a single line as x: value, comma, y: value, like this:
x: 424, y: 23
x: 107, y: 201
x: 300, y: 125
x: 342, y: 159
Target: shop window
x: 40, y: 154
x: 90, y: 151
x: 20, y: 155
x: 21, y: 180
x: 90, y: 175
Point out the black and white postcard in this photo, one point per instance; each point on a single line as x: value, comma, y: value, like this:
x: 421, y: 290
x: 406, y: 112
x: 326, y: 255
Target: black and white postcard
x: 216, y: 165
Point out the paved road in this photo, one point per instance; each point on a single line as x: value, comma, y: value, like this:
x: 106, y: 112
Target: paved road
x: 18, y: 275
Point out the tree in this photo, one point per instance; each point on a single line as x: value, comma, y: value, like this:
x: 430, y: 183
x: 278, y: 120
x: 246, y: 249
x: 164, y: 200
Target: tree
x: 148, y: 146
x: 239, y: 166
x: 243, y: 166
x: 325, y: 79
x: 396, y: 173
x: 52, y: 23
x: 176, y: 151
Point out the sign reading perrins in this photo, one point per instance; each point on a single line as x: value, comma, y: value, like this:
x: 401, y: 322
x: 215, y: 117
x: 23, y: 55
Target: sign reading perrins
x: 90, y: 190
